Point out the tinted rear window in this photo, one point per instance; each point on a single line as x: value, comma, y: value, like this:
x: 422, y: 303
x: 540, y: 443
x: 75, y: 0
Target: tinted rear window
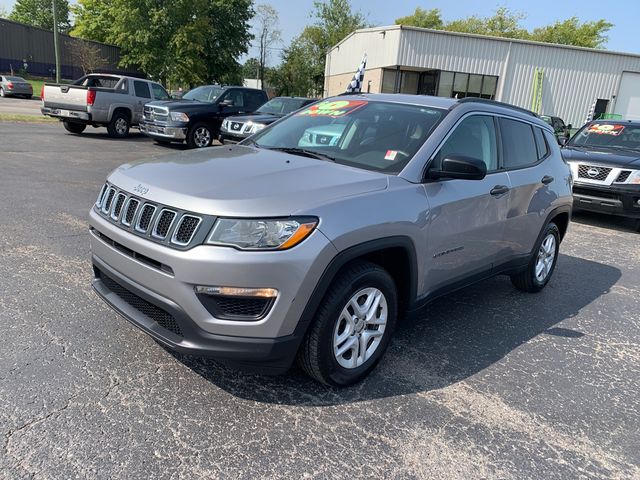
x: 519, y: 146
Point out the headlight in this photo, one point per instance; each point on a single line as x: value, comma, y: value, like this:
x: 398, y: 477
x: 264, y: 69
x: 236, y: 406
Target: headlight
x: 253, y: 127
x: 179, y: 117
x: 634, y: 177
x: 268, y: 234
x: 225, y: 124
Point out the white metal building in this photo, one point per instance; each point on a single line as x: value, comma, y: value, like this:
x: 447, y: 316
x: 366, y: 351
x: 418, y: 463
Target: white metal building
x: 431, y: 62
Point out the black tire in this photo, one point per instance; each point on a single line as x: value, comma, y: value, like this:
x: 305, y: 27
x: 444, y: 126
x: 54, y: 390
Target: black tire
x: 28, y: 97
x: 316, y: 356
x: 195, y: 136
x: 73, y: 127
x: 637, y: 225
x: 119, y: 125
x: 527, y: 280
x: 2, y: 94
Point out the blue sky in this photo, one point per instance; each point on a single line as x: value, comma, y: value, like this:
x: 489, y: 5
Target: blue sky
x: 624, y: 14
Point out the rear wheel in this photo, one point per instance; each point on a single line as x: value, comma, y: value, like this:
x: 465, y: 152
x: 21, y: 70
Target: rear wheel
x: 352, y: 326
x: 119, y: 125
x: 542, y: 264
x: 73, y: 127
x: 199, y: 136
x: 2, y: 92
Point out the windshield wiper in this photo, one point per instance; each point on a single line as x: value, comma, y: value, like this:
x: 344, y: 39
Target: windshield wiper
x: 303, y: 152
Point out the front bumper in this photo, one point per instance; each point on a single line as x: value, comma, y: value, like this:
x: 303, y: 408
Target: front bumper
x: 615, y: 200
x: 229, y: 138
x: 164, y: 132
x: 270, y: 342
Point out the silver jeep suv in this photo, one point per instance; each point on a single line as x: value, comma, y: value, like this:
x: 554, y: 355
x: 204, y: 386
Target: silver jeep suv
x: 281, y: 247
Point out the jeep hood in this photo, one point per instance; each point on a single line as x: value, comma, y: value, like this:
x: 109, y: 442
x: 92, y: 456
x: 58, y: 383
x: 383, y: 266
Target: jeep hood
x: 244, y: 181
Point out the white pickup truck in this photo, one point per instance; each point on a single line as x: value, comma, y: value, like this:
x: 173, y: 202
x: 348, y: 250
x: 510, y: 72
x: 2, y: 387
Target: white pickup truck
x: 100, y: 100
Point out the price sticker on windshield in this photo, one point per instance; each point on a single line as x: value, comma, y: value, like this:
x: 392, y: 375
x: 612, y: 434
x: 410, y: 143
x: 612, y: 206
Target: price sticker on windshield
x: 606, y: 129
x: 334, y: 108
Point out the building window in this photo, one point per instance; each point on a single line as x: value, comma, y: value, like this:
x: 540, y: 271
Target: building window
x: 440, y: 83
x: 388, y: 81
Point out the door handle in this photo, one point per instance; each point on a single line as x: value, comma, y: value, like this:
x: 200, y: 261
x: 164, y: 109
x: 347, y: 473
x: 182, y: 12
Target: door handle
x: 547, y: 179
x: 499, y: 190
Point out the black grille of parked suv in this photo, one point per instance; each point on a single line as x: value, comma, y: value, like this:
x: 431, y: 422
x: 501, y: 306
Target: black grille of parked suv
x: 153, y: 221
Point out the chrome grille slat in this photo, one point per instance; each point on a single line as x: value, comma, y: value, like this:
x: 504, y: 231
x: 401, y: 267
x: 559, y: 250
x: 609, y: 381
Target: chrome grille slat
x: 106, y: 205
x: 185, y: 230
x: 144, y: 221
x: 163, y: 223
x: 103, y: 190
x: 130, y: 211
x: 117, y: 206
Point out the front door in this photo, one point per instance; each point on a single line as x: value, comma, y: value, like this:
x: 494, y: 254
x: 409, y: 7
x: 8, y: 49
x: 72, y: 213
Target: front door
x: 467, y: 217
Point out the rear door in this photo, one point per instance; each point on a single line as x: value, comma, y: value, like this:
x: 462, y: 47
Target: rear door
x: 525, y: 149
x: 467, y: 217
x: 142, y: 94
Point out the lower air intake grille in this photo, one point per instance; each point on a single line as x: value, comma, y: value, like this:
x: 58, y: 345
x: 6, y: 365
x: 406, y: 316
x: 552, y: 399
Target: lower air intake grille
x: 160, y: 316
x: 242, y: 307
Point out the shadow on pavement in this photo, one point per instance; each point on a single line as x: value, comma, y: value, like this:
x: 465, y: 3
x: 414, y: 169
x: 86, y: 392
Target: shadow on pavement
x: 454, y: 338
x: 603, y: 220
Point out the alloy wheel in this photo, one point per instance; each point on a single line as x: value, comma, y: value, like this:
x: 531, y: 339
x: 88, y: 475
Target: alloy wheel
x: 360, y: 328
x: 202, y: 137
x: 546, y: 257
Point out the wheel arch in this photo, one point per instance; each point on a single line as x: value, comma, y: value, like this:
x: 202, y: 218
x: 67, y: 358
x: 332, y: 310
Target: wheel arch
x: 397, y: 255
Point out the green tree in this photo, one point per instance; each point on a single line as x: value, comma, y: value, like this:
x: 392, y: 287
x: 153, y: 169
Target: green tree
x: 184, y: 42
x: 303, y: 62
x: 39, y: 13
x: 423, y: 18
x: 251, y: 68
x: 572, y: 32
x: 93, y: 19
x: 504, y: 23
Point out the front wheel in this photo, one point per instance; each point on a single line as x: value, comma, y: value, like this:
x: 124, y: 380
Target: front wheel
x: 72, y: 127
x: 199, y: 136
x: 352, y: 326
x: 542, y: 264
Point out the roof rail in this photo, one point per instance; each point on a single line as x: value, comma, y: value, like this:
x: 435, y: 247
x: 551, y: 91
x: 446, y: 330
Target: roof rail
x: 498, y: 104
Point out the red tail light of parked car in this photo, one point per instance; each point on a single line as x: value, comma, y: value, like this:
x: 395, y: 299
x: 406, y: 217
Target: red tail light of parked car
x: 91, y: 97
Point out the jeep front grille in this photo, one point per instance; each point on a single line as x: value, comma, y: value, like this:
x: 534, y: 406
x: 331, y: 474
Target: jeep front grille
x: 130, y: 212
x: 145, y: 218
x: 163, y: 223
x: 159, y: 223
x: 186, y: 229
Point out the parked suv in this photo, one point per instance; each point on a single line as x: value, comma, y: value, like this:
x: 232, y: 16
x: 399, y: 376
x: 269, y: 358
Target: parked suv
x: 238, y: 127
x: 266, y: 251
x: 605, y: 161
x: 197, y: 116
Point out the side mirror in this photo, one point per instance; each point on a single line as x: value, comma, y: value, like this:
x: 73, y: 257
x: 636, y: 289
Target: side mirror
x: 460, y: 167
x: 226, y: 103
x: 562, y: 140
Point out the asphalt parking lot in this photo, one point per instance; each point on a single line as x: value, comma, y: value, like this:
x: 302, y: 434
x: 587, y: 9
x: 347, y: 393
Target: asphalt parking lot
x: 485, y: 383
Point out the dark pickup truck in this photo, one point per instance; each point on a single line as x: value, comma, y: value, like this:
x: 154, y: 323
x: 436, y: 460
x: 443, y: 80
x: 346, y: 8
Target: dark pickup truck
x: 604, y: 157
x: 196, y: 118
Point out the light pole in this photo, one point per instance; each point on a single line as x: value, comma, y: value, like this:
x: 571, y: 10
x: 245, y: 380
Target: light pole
x: 55, y: 40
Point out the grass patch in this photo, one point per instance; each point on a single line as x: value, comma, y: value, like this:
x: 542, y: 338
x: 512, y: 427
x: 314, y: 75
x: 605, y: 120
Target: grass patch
x: 16, y: 117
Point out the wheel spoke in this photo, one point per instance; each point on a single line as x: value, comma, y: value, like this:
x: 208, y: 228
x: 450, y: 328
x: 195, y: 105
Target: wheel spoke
x: 373, y: 305
x: 350, y: 344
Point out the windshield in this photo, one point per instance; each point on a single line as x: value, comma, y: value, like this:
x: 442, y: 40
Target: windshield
x: 371, y: 135
x: 203, y: 94
x: 606, y: 135
x: 282, y: 106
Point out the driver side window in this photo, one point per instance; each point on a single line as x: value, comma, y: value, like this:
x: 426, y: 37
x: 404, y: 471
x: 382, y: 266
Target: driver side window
x: 474, y: 137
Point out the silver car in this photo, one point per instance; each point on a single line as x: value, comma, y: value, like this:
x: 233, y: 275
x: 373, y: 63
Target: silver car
x: 11, y: 86
x: 268, y: 251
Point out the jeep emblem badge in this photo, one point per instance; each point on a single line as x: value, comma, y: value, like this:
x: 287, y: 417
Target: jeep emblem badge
x: 141, y: 189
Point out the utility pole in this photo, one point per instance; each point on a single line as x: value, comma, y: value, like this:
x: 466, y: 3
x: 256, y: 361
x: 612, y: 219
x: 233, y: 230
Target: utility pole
x: 55, y: 40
